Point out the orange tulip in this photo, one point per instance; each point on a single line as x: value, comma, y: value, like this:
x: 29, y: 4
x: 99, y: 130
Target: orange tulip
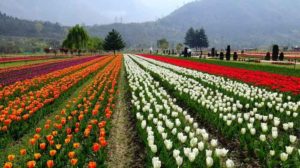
x: 52, y: 152
x: 51, y: 142
x: 38, y: 130
x: 68, y: 130
x: 50, y: 163
x: 23, y: 152
x: 31, y: 164
x: 36, y: 136
x: 32, y: 141
x: 49, y: 137
x: 11, y: 157
x: 67, y: 140
x: 54, y: 133
x: 92, y: 165
x: 58, y: 146
x: 103, y: 143
x: 8, y: 165
x: 76, y: 145
x: 73, y: 162
x: 7, y: 121
x: 37, y: 156
x: 96, y: 147
x: 71, y: 154
x: 87, y: 132
x: 4, y: 128
x: 43, y: 146
x: 47, y: 126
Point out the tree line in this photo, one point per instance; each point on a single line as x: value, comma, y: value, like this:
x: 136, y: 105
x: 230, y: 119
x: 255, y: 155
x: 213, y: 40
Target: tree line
x: 78, y: 40
x: 194, y: 38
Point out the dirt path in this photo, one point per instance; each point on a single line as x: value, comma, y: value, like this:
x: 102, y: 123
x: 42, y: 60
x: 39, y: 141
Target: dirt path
x: 123, y: 149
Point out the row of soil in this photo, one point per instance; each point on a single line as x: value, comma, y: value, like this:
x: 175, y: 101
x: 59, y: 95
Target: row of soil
x: 125, y: 148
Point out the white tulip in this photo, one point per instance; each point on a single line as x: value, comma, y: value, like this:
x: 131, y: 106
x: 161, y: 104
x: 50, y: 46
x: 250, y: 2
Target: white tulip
x: 214, y: 143
x: 283, y: 156
x: 192, y: 156
x: 291, y: 125
x: 229, y: 163
x: 156, y: 162
x: 262, y: 137
x: 243, y: 131
x: 193, y: 142
x: 153, y: 148
x: 209, y: 162
x: 179, y: 160
x: 274, y: 134
x: 176, y: 153
x: 252, y: 131
x: 208, y: 153
x: 272, y: 152
x: 292, y: 138
x: 289, y: 149
x: 168, y: 144
x: 201, y: 146
x: 285, y: 126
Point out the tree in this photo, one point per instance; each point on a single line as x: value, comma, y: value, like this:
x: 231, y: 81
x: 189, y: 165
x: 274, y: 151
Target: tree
x: 163, y: 44
x: 77, y: 39
x: 189, y: 39
x: 196, y: 38
x: 113, y: 41
x: 228, y: 52
x: 281, y: 56
x: 201, y: 40
x: 275, y: 52
x: 95, y: 44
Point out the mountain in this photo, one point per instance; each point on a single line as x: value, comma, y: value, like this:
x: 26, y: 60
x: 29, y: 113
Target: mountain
x: 241, y: 23
x: 11, y: 26
x: 18, y: 35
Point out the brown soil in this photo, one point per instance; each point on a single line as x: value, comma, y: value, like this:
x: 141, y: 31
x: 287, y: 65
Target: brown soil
x: 124, y: 149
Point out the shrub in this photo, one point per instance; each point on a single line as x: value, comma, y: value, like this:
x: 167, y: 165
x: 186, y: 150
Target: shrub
x: 228, y: 53
x: 235, y: 56
x: 221, y: 56
x: 268, y: 56
x: 281, y: 56
x: 275, y: 52
x: 213, y: 52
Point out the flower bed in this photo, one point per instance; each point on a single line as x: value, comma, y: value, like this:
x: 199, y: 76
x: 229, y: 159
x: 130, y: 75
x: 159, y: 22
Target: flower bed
x: 22, y: 74
x: 264, y: 123
x: 172, y: 137
x: 77, y: 136
x: 21, y: 109
x: 20, y: 87
x: 258, y: 78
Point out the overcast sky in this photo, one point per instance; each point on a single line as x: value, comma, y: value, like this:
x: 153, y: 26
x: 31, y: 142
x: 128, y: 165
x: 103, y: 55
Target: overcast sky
x: 89, y: 12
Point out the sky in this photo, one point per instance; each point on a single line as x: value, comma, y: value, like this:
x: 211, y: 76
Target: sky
x: 90, y: 12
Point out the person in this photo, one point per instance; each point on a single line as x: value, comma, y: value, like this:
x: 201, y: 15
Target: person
x: 151, y: 50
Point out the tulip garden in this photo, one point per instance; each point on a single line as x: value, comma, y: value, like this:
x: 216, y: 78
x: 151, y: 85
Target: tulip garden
x: 184, y: 114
